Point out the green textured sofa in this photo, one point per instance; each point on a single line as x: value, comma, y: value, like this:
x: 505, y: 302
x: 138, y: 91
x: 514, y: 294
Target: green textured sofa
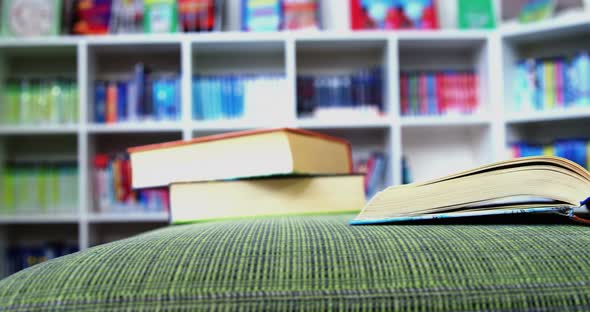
x: 317, y: 263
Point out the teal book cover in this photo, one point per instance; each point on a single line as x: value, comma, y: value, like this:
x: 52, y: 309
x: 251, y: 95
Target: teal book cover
x: 476, y: 14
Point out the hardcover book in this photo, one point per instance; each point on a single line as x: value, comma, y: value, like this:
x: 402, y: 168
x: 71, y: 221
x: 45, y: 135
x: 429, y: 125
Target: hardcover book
x: 286, y: 195
x: 242, y: 154
x: 541, y: 184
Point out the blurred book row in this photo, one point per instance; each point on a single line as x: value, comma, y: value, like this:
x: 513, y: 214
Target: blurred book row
x: 144, y: 97
x: 113, y: 192
x: 27, y: 254
x: 436, y: 93
x: 360, y: 92
x: 551, y: 83
x: 238, y: 96
x: 94, y: 17
x: 30, y: 188
x: 39, y: 101
x: 576, y: 150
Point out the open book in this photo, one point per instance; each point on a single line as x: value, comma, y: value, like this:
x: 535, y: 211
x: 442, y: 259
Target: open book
x: 542, y: 184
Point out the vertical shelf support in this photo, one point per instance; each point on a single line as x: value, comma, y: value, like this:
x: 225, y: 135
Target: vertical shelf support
x: 496, y: 98
x: 84, y: 174
x: 186, y: 73
x: 392, y: 100
x: 291, y: 77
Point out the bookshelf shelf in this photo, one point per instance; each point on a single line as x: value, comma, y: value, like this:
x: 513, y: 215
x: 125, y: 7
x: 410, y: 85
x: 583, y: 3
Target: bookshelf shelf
x: 444, y: 121
x: 38, y: 129
x: 142, y: 127
x: 545, y: 116
x: 567, y: 24
x: 344, y: 123
x: 130, y: 217
x: 422, y: 140
x: 39, y: 219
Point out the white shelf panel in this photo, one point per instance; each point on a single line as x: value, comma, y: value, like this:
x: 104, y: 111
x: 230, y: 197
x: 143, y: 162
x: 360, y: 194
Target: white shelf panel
x: 443, y: 34
x: 552, y: 28
x: 443, y: 121
x: 231, y: 125
x: 39, y: 219
x: 552, y: 115
x: 351, y: 123
x: 39, y: 129
x: 139, y: 127
x: 52, y: 41
x: 130, y: 39
x: 128, y: 218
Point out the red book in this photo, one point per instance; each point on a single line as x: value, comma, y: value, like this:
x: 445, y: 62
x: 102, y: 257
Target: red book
x: 370, y: 171
x: 405, y: 107
x: 111, y: 109
x: 440, y: 103
x: 126, y: 180
x: 101, y: 161
x: 474, y: 91
x: 422, y: 94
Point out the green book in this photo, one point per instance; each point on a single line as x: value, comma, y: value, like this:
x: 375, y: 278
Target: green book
x: 476, y: 14
x: 160, y: 16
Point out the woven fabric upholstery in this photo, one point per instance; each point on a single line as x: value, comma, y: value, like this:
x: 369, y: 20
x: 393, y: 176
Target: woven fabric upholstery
x: 317, y: 263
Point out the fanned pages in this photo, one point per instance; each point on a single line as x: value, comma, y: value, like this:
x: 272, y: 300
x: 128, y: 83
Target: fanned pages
x: 524, y: 185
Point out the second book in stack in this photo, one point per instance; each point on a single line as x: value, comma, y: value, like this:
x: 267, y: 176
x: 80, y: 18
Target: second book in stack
x: 251, y: 173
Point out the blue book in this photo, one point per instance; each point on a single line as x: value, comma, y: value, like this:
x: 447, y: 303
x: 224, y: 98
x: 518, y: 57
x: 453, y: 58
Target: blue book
x: 177, y: 97
x: 122, y: 100
x: 100, y: 102
x: 238, y: 100
x: 216, y: 99
x: 431, y: 93
x: 226, y: 100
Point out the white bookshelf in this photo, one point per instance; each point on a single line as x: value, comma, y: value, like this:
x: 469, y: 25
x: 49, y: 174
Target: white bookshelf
x: 433, y: 145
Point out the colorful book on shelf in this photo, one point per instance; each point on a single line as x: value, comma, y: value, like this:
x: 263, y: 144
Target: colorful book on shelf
x: 575, y: 150
x: 286, y: 195
x: 434, y: 93
x: 243, y: 154
x: 25, y: 18
x: 474, y: 14
x: 542, y: 184
x: 113, y: 192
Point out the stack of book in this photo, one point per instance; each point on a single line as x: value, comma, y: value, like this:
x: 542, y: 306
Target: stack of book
x: 575, y: 150
x: 251, y: 173
x: 24, y: 255
x: 552, y: 83
x: 237, y: 96
x: 436, y: 93
x: 112, y: 185
x: 145, y: 97
x: 329, y: 95
x: 39, y: 188
x: 39, y: 100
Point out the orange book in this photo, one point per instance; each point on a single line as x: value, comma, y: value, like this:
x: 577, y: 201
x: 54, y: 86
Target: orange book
x: 254, y: 153
x: 111, y: 110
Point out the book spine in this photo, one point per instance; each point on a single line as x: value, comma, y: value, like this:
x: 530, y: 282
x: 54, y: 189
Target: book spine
x: 122, y: 101
x: 100, y: 102
x: 111, y: 103
x: 404, y: 94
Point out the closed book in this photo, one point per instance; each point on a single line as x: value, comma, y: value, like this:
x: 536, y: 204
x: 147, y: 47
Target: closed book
x: 292, y: 195
x: 100, y: 102
x: 111, y: 103
x: 239, y: 155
